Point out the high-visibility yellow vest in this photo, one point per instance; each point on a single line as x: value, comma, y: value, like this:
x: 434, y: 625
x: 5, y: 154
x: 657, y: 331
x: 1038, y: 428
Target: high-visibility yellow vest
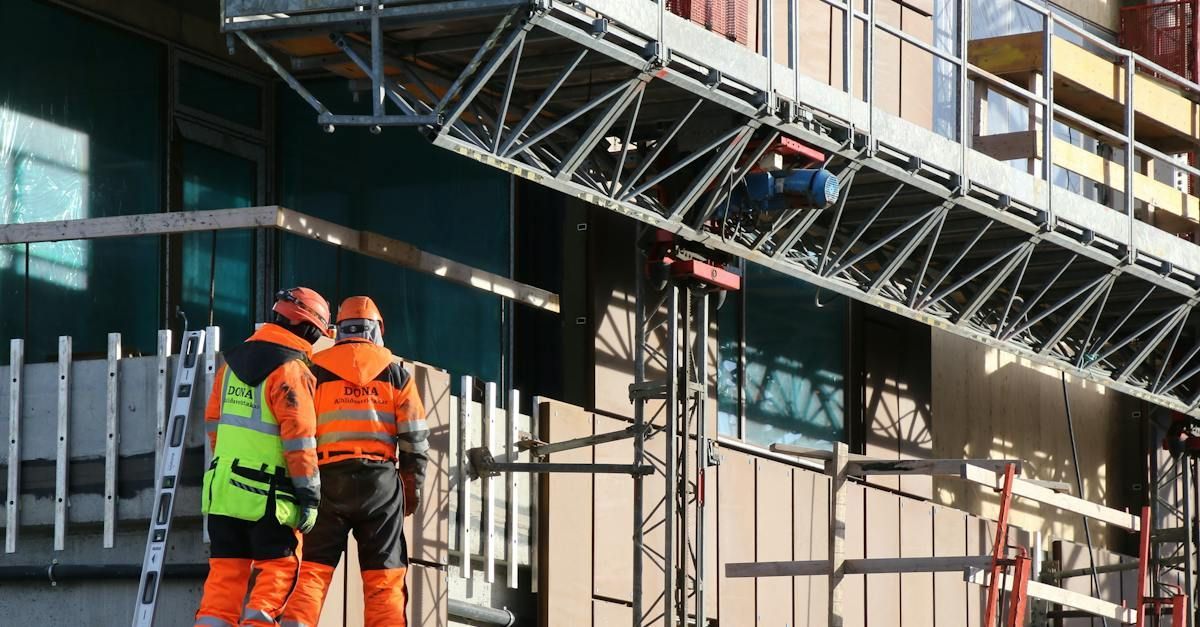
x: 248, y: 461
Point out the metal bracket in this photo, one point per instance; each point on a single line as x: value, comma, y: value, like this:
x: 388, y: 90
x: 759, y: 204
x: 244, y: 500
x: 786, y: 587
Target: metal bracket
x: 711, y: 454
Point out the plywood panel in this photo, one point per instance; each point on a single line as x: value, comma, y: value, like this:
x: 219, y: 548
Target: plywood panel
x: 916, y: 540
x: 979, y: 542
x: 887, y: 59
x: 881, y: 407
x: 773, y: 541
x: 736, y: 499
x: 949, y: 589
x: 916, y: 67
x: 428, y: 529
x: 883, y: 540
x: 1072, y: 556
x: 913, y: 438
x: 428, y: 596
x: 613, y: 512
x: 811, y: 542
x: 565, y: 523
x: 989, y: 404
x: 605, y: 613
x: 854, y: 587
x: 815, y: 38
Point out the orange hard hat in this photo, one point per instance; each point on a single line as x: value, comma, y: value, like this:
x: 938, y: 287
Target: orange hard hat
x: 359, y: 308
x: 300, y: 304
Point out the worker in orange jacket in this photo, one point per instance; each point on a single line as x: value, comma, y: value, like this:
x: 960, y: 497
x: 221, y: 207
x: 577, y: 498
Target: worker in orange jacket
x: 372, y: 444
x: 263, y: 486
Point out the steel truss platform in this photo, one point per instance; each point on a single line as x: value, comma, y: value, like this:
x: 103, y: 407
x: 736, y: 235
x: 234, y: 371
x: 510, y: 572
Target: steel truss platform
x: 638, y: 111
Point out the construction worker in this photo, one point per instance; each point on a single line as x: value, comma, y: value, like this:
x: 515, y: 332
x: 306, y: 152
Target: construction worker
x: 371, y: 446
x: 263, y: 485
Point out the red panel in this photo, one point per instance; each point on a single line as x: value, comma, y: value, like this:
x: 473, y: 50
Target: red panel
x: 1164, y: 33
x: 725, y: 17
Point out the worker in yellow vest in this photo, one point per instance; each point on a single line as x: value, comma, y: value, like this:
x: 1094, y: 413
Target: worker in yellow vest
x: 262, y: 488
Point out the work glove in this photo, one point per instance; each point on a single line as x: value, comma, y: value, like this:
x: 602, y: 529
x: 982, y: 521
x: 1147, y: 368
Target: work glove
x: 412, y: 498
x: 308, y: 517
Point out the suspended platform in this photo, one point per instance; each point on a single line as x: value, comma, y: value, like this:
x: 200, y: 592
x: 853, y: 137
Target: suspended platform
x: 636, y: 110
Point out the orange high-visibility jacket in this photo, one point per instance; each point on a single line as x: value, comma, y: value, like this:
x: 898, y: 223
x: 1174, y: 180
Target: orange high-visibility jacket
x: 274, y: 357
x: 368, y: 407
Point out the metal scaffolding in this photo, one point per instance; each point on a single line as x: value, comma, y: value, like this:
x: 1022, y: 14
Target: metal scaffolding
x: 1173, y: 481
x: 633, y: 109
x: 670, y: 393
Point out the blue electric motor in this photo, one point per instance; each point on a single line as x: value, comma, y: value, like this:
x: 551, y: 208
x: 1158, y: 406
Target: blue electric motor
x: 815, y: 189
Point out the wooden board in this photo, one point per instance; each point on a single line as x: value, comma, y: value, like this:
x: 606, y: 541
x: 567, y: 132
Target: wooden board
x: 916, y: 69
x: 854, y: 587
x: 1094, y: 86
x: 887, y: 59
x: 605, y: 613
x: 428, y: 596
x: 565, y: 523
x: 613, y: 518
x: 810, y: 542
x: 949, y: 538
x: 979, y: 542
x: 773, y: 540
x: 816, y: 39
x: 916, y: 540
x: 736, y: 525
x: 883, y: 540
x: 428, y: 530
x: 896, y: 397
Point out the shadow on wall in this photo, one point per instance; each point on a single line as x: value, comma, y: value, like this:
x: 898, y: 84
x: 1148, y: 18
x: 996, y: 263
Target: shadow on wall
x: 990, y: 404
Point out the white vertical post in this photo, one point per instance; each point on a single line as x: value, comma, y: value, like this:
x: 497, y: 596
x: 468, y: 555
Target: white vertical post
x: 16, y: 364
x: 212, y: 345
x: 62, y: 457
x: 160, y: 423
x: 510, y: 486
x: 1130, y: 151
x: 489, y: 484
x: 112, y: 427
x: 464, y: 478
x: 836, y: 467
x: 534, y: 501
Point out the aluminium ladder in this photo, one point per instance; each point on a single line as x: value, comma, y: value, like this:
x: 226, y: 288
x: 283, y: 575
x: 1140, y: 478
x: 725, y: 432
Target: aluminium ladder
x: 166, y: 480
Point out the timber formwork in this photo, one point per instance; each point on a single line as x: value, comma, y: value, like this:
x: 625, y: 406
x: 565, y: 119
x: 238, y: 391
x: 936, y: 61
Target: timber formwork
x: 638, y: 111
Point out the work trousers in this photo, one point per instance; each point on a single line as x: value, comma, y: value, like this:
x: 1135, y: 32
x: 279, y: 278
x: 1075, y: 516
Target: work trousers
x: 252, y: 572
x: 364, y: 497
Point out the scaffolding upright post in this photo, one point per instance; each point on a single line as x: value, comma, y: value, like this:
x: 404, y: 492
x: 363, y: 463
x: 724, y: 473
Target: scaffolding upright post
x: 639, y: 437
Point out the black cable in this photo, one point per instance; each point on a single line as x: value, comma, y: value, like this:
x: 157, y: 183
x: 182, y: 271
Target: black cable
x: 212, y: 277
x: 1087, y: 531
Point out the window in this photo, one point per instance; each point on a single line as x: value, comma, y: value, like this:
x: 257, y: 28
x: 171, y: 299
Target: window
x: 792, y: 385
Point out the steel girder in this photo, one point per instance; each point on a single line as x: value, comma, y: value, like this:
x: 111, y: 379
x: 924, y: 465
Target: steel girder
x: 565, y: 97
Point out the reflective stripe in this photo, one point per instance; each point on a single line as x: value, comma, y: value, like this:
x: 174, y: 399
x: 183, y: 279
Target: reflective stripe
x: 307, y: 482
x: 287, y: 622
x: 344, y: 436
x: 254, y: 614
x: 210, y: 426
x: 409, y: 426
x: 299, y: 444
x: 212, y: 621
x: 356, y: 415
x: 248, y: 488
x: 412, y: 447
x: 252, y: 424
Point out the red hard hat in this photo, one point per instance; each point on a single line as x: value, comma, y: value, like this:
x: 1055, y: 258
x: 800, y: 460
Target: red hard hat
x: 300, y: 304
x: 360, y: 308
